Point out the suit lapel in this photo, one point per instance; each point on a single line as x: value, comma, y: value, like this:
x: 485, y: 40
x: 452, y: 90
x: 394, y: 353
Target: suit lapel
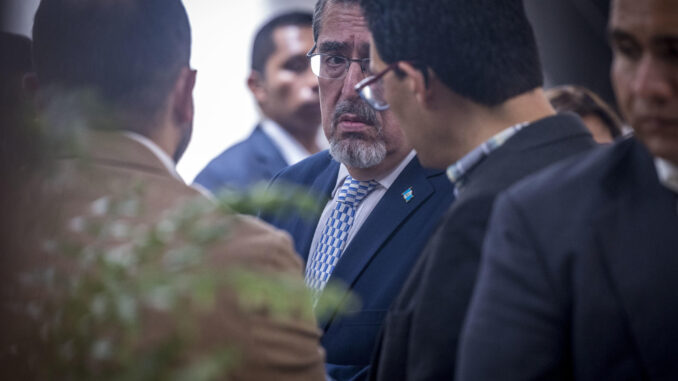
x: 321, y: 189
x: 267, y: 152
x: 391, y: 211
x: 638, y: 235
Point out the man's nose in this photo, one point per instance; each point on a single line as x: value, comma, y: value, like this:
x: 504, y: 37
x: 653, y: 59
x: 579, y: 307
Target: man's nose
x: 354, y: 75
x: 651, y: 79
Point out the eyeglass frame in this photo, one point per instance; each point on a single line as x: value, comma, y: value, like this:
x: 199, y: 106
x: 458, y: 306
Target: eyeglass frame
x: 371, y: 80
x: 362, y: 62
x: 374, y: 78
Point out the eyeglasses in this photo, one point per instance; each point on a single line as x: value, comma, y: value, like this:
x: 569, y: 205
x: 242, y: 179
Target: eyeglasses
x: 330, y: 66
x: 371, y: 89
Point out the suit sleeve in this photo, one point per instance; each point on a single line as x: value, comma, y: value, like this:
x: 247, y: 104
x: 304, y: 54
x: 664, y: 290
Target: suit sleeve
x: 278, y: 346
x: 514, y: 329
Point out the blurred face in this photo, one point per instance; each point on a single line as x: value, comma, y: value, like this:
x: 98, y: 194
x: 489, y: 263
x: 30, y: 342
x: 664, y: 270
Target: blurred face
x: 359, y: 136
x: 290, y: 90
x: 645, y: 71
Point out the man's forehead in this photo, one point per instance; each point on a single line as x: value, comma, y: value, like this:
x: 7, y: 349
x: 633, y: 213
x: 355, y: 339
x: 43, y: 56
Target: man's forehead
x: 344, y: 46
x: 344, y: 28
x: 292, y: 38
x: 349, y: 16
x: 648, y: 17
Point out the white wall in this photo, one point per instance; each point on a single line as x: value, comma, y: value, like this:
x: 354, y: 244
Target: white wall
x: 222, y: 36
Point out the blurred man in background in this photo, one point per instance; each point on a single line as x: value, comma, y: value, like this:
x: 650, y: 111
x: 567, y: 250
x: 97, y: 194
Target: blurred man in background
x: 286, y: 91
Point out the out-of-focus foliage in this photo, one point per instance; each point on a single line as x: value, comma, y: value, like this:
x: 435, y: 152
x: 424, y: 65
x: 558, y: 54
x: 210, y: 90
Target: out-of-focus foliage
x: 81, y: 307
x: 90, y: 320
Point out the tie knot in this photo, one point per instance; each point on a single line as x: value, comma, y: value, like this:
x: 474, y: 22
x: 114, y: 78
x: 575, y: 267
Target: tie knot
x: 354, y: 191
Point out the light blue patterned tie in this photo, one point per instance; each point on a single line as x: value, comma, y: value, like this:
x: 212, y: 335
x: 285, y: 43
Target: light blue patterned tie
x: 335, y: 233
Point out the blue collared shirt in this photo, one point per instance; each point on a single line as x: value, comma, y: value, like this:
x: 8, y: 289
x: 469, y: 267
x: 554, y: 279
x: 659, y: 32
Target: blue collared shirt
x: 457, y: 172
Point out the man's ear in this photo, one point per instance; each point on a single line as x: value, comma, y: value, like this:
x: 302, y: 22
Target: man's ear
x: 183, y: 95
x: 257, y: 85
x: 416, y: 82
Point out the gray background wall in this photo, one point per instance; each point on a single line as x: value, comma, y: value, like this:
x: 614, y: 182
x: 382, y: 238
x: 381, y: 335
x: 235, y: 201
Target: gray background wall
x: 573, y: 43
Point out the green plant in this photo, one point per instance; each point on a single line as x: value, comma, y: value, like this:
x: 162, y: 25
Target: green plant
x: 90, y: 323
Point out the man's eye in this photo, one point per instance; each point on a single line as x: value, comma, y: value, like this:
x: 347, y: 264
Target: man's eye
x: 668, y: 51
x: 628, y: 49
x: 335, y: 60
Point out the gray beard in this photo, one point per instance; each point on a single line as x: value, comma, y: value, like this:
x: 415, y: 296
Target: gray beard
x: 353, y: 151
x: 356, y: 153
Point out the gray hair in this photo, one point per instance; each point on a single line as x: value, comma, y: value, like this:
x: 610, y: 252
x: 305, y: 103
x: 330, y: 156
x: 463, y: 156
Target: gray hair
x: 320, y: 10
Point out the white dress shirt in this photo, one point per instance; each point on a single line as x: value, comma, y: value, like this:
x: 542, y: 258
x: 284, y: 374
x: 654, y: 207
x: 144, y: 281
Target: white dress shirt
x: 164, y: 158
x: 292, y: 151
x: 668, y: 173
x: 366, y: 206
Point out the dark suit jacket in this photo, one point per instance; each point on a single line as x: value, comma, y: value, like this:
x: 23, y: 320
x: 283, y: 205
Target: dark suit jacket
x: 378, y: 259
x: 246, y: 163
x: 579, y: 279
x: 420, y: 336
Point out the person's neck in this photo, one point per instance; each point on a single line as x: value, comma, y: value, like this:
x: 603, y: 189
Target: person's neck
x: 160, y: 135
x: 392, y: 160
x: 473, y: 124
x: 308, y: 141
x: 308, y: 138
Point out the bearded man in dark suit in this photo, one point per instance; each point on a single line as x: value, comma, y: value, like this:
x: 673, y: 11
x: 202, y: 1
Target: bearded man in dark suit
x: 382, y: 205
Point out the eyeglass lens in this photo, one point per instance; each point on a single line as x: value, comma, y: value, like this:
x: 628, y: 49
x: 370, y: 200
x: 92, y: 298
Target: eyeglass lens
x: 334, y: 67
x: 374, y: 95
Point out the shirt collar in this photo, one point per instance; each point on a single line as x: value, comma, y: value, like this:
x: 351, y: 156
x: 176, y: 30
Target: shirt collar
x: 291, y: 150
x: 458, y: 171
x: 164, y: 158
x: 668, y: 174
x: 384, y: 181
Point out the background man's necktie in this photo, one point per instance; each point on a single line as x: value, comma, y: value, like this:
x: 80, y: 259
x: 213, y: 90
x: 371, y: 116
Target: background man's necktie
x: 335, y: 233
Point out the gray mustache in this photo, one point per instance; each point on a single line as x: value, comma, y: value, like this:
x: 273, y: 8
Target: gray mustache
x: 359, y: 108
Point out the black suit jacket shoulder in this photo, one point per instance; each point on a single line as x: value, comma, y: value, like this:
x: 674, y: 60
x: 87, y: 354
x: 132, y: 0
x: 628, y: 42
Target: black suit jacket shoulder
x: 578, y: 279
x: 420, y: 338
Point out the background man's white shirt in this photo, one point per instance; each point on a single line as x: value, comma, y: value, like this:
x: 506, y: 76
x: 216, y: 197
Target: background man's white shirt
x: 668, y: 174
x: 292, y: 151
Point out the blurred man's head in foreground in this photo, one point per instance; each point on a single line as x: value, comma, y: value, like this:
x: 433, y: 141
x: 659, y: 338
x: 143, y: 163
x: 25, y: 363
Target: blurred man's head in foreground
x: 130, y: 55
